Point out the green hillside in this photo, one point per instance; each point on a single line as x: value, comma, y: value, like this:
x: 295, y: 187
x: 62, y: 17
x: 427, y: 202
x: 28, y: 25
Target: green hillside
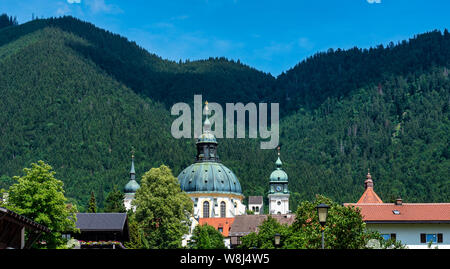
x: 80, y: 98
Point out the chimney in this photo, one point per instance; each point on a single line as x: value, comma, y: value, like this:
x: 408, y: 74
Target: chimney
x: 398, y: 201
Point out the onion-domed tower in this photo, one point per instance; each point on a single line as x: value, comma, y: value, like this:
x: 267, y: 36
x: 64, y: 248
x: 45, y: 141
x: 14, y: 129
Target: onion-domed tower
x: 131, y: 187
x: 214, y: 189
x: 278, y: 190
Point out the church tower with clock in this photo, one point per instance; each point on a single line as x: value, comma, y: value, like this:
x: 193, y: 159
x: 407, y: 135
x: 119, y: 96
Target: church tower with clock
x: 278, y: 190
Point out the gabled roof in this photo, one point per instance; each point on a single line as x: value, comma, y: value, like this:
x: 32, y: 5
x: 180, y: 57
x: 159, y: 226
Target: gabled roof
x: 245, y: 224
x: 22, y: 220
x: 101, y: 221
x: 404, y: 213
x: 224, y: 223
x: 255, y: 200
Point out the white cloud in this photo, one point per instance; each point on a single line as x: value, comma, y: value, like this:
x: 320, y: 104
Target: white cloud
x: 374, y: 1
x: 74, y: 1
x: 97, y: 6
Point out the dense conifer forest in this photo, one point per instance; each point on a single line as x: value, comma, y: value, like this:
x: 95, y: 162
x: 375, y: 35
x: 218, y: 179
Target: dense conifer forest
x: 81, y: 98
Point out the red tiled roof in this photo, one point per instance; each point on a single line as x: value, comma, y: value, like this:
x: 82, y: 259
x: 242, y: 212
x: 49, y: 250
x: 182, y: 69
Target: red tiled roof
x: 369, y: 196
x: 224, y: 223
x: 406, y: 212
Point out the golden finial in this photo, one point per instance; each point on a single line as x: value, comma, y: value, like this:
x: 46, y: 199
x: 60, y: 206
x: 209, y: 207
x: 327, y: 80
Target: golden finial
x: 132, y: 152
x: 278, y: 148
x: 206, y: 108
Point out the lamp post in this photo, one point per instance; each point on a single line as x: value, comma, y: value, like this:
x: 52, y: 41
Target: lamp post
x: 277, y: 238
x: 322, y: 211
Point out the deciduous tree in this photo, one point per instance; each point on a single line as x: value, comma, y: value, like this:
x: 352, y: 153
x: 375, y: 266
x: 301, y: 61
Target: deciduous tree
x: 39, y: 196
x: 206, y: 237
x: 162, y: 209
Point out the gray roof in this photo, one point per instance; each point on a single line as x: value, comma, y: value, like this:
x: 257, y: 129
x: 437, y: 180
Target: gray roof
x: 101, y: 221
x: 245, y: 224
x: 22, y: 220
x: 255, y: 200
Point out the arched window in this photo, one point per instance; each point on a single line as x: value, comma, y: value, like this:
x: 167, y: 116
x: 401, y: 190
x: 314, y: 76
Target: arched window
x: 206, y: 209
x: 223, y: 208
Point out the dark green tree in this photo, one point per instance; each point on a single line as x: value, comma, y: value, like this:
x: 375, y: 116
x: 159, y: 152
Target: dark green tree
x: 92, y: 204
x: 5, y: 21
x: 114, y: 201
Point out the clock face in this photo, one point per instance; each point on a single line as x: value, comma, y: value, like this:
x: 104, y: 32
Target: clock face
x: 278, y: 188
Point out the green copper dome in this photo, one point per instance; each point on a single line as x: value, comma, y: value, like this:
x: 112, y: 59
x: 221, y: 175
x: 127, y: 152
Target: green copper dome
x: 209, y: 177
x: 278, y: 174
x: 131, y: 187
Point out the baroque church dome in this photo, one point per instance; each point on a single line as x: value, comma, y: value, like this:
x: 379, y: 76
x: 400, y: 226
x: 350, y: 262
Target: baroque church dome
x: 209, y: 177
x: 207, y: 174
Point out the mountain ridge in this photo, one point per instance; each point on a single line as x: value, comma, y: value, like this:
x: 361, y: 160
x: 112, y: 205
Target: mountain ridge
x: 71, y: 100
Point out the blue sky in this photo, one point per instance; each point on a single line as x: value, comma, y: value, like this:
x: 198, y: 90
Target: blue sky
x: 271, y: 36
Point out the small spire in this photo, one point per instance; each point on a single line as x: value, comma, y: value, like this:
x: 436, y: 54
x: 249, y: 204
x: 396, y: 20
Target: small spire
x: 132, y: 171
x: 278, y: 163
x: 369, y: 182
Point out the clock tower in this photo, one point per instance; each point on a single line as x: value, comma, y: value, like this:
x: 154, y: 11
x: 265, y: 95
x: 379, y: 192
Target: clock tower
x: 278, y: 190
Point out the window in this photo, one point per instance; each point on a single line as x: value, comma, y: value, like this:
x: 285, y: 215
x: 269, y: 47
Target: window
x: 206, y: 209
x: 66, y: 236
x: 386, y: 236
x: 220, y: 229
x: 257, y: 209
x: 389, y: 236
x: 223, y: 207
x: 434, y: 238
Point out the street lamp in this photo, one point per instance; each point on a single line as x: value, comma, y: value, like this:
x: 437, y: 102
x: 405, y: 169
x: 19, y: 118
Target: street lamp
x: 277, y: 239
x: 322, y: 211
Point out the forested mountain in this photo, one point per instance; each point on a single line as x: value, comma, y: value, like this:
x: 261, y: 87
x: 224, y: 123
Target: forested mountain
x: 80, y: 98
x: 336, y: 73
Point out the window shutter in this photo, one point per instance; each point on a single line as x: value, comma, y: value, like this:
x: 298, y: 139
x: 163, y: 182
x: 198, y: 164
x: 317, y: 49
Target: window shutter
x: 394, y: 237
x: 423, y: 238
x: 440, y: 238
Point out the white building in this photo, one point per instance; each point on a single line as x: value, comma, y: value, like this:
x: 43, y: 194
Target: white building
x: 256, y: 205
x: 416, y: 225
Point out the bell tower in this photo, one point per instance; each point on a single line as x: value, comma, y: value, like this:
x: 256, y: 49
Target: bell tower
x: 278, y: 190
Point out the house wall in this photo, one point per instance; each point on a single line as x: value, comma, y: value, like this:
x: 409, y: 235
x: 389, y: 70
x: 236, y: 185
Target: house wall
x: 283, y: 207
x: 409, y: 234
x: 129, y: 197
x: 230, y: 211
x: 253, y: 207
